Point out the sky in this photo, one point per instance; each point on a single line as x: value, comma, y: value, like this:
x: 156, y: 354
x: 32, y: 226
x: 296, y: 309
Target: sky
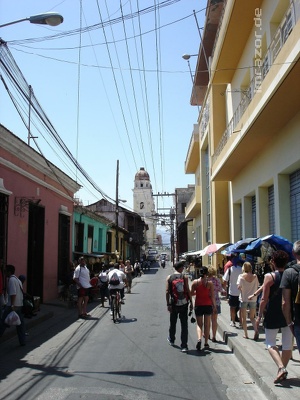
x: 114, y: 85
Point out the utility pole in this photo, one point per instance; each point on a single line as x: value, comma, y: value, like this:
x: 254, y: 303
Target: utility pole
x: 117, y: 207
x: 171, y: 217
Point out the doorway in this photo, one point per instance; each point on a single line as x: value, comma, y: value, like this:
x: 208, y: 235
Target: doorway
x: 35, y: 260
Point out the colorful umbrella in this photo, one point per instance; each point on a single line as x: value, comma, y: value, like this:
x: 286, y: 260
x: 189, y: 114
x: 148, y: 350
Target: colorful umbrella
x: 275, y: 241
x: 238, y: 247
x: 214, y: 247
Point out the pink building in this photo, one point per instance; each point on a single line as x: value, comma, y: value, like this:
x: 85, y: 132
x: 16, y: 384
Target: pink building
x: 36, y: 211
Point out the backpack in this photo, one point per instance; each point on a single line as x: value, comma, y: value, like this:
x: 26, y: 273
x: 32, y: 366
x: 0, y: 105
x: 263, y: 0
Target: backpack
x: 274, y: 317
x: 177, y: 290
x: 297, y: 298
x: 114, y: 280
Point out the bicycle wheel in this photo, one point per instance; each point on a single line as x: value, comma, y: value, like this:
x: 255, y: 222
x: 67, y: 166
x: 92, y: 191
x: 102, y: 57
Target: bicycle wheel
x: 114, y: 308
x: 119, y: 309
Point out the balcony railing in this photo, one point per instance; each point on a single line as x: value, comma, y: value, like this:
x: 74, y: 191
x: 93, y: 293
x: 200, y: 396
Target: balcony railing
x: 204, y: 118
x: 280, y: 37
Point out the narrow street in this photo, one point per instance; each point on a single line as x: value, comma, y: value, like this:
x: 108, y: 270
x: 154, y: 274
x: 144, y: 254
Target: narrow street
x: 97, y: 359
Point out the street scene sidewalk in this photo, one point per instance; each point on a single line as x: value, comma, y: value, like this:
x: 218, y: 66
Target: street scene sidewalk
x: 253, y: 355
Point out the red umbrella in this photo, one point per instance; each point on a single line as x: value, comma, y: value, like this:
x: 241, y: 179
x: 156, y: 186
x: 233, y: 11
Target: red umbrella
x: 214, y: 247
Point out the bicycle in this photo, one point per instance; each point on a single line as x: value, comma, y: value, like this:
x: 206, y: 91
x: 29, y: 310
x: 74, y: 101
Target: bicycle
x: 115, y: 298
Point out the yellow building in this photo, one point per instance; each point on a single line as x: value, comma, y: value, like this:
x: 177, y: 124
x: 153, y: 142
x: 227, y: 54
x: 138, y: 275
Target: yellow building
x: 244, y: 150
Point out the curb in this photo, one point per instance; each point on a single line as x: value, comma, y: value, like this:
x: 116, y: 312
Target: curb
x: 255, y: 357
x: 11, y: 332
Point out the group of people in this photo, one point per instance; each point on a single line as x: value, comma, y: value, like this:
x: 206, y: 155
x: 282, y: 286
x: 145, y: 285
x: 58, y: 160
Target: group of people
x: 276, y: 302
x: 207, y: 304
x: 115, y: 276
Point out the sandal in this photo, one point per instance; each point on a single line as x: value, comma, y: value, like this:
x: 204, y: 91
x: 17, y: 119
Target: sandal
x: 256, y: 336
x: 281, y: 376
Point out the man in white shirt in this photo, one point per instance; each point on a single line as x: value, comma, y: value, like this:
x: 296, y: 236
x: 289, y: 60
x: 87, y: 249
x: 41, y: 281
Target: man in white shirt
x: 113, y: 274
x: 231, y: 277
x: 82, y: 278
x: 14, y: 303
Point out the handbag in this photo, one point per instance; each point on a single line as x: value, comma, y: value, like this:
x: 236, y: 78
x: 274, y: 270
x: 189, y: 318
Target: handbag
x: 12, y: 319
x: 27, y: 306
x: 193, y: 319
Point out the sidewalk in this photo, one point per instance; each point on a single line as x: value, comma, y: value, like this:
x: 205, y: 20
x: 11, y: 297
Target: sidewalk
x: 256, y: 359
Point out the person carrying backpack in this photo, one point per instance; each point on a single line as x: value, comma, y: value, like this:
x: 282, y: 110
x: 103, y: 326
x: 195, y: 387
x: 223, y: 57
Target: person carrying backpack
x: 116, y: 281
x: 271, y: 307
x: 290, y: 285
x: 178, y: 297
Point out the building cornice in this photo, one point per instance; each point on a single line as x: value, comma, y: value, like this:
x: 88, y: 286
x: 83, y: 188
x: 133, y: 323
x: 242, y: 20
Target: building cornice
x: 32, y: 158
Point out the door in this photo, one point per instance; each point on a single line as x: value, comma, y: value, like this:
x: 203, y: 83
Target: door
x: 35, y: 260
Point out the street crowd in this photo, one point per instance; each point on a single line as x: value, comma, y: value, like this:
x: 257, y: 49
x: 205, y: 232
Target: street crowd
x: 275, y: 303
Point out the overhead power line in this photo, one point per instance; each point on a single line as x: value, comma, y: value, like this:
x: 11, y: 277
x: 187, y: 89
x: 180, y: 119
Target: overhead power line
x: 17, y: 80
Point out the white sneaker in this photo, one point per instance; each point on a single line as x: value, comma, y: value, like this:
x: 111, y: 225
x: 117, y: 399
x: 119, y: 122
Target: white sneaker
x: 184, y: 349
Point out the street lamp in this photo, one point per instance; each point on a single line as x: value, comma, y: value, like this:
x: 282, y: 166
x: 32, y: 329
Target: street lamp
x: 49, y: 18
x: 187, y: 58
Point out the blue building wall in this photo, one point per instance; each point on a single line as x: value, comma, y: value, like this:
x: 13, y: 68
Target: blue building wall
x: 94, y: 233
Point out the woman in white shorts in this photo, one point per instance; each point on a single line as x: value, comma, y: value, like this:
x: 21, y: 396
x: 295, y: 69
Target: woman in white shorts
x: 271, y: 307
x: 247, y: 284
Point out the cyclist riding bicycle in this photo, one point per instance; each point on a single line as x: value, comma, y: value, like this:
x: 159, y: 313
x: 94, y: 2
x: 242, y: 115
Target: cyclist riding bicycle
x: 116, y: 281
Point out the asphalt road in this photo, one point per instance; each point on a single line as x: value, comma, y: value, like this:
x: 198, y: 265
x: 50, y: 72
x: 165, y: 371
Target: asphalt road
x: 69, y: 359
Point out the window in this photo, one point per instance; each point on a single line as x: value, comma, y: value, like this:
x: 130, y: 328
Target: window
x: 254, y: 228
x: 183, y: 205
x: 271, y: 207
x: 79, y: 231
x: 295, y: 204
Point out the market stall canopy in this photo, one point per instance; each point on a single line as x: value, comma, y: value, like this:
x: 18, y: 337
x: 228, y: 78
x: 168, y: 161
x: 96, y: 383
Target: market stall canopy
x: 237, y: 247
x: 214, y: 247
x: 266, y: 245
x: 197, y: 253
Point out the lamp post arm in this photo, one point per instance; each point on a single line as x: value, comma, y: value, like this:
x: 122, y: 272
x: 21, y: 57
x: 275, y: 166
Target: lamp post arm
x: 14, y: 22
x: 50, y: 18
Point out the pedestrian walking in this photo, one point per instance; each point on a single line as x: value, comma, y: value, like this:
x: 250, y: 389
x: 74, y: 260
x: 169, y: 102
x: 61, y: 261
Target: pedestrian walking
x: 178, y: 297
x: 103, y: 285
x: 82, y: 279
x: 271, y: 307
x: 212, y: 277
x: 129, y: 271
x: 14, y: 303
x: 248, y: 284
x: 231, y: 277
x: 290, y: 284
x: 137, y: 268
x: 205, y: 305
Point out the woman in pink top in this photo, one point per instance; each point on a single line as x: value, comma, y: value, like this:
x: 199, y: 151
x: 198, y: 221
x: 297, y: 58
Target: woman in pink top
x: 212, y: 277
x: 205, y: 305
x: 247, y: 284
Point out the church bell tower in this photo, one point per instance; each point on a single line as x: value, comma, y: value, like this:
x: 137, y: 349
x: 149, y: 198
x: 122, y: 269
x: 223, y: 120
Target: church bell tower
x: 143, y: 203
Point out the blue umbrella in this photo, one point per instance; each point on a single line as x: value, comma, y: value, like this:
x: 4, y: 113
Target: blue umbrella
x: 238, y: 247
x: 277, y: 242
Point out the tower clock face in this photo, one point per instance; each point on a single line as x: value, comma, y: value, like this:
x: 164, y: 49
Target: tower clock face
x: 142, y: 205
